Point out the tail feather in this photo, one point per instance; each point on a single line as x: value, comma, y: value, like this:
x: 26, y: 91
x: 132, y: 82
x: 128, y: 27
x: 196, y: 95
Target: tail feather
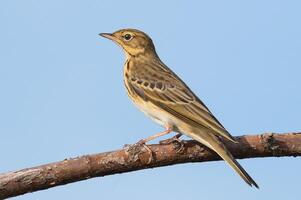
x: 247, y: 178
x: 213, y: 142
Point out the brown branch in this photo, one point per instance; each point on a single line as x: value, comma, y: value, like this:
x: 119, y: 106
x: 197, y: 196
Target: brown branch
x: 131, y: 159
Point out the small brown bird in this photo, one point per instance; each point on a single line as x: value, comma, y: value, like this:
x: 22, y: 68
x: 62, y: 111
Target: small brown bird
x: 163, y: 96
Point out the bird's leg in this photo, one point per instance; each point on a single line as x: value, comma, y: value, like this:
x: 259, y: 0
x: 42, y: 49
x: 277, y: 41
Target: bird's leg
x: 174, y: 139
x: 133, y: 148
x: 167, y: 131
x: 171, y: 140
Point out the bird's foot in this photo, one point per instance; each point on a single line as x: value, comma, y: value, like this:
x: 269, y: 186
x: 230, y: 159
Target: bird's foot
x: 135, y: 150
x: 176, y: 141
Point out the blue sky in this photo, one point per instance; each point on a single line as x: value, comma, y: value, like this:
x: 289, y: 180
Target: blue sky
x: 62, y: 93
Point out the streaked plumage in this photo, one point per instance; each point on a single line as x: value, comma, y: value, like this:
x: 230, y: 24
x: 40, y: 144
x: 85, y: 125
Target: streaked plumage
x: 163, y: 96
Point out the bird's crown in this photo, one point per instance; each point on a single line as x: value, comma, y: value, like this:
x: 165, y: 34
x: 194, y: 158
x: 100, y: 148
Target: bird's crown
x: 133, y: 41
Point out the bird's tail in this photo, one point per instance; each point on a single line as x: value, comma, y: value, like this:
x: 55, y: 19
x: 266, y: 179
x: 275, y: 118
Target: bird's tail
x: 213, y: 142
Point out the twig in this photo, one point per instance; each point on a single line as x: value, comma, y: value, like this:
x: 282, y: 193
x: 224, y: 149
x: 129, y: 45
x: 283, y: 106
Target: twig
x: 131, y: 159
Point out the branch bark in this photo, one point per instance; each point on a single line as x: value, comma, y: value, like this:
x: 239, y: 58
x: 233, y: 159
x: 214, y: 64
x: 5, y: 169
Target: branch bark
x: 137, y: 158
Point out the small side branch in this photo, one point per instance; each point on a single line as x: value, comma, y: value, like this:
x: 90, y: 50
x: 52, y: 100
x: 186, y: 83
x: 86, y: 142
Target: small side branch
x: 125, y: 160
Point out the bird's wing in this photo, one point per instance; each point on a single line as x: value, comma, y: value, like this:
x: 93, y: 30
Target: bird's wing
x: 165, y: 89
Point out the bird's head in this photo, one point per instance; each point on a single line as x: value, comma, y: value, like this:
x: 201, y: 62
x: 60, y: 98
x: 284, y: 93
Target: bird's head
x: 133, y: 42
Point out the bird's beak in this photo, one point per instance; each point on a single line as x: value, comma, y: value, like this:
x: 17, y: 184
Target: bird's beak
x: 107, y: 35
x: 112, y: 37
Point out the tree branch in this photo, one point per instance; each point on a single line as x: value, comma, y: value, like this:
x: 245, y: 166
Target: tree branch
x: 137, y: 158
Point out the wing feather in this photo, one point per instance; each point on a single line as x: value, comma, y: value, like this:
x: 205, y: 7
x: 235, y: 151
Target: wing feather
x: 170, y: 93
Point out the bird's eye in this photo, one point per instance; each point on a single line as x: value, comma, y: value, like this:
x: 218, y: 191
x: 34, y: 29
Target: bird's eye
x: 127, y: 37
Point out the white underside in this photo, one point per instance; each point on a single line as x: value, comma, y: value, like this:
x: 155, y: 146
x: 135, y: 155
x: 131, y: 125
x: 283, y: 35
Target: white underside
x: 159, y: 116
x: 169, y: 121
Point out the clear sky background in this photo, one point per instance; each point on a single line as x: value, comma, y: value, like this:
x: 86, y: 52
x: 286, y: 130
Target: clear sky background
x: 62, y: 92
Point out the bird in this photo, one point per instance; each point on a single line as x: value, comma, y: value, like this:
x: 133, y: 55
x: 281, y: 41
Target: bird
x: 162, y: 95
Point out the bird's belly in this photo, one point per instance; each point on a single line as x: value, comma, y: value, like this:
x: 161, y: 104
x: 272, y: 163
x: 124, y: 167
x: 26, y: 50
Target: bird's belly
x: 158, y: 115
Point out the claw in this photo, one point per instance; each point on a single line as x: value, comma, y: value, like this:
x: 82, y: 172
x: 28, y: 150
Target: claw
x: 172, y: 139
x: 137, y: 149
x: 178, y: 143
